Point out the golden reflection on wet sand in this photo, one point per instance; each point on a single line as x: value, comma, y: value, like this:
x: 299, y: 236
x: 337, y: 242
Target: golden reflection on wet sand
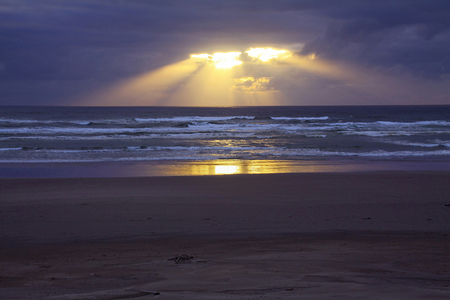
x: 230, y: 167
x: 208, y: 167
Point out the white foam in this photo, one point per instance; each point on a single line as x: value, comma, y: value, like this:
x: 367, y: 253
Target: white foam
x: 195, y: 131
x: 382, y: 153
x: 146, y: 148
x: 316, y: 135
x: 144, y: 136
x: 413, y: 144
x: 442, y: 143
x: 381, y: 133
x: 300, y: 118
x: 63, y: 121
x: 434, y: 122
x: 192, y: 119
x: 378, y: 153
x: 24, y: 121
x: 197, y: 124
x: 188, y: 153
x: 207, y: 127
x: 10, y: 149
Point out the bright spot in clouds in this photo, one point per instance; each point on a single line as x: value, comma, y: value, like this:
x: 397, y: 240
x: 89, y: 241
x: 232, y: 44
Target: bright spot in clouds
x: 201, y: 56
x: 266, y: 54
x: 228, y: 60
x: 225, y: 60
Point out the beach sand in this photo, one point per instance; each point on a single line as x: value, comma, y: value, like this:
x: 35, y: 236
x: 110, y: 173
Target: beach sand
x: 368, y: 235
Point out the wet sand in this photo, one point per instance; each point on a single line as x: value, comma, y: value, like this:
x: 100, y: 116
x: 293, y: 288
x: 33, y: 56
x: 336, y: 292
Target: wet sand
x: 373, y: 235
x: 160, y: 168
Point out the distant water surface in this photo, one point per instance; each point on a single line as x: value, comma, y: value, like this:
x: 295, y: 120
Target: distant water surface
x: 132, y: 134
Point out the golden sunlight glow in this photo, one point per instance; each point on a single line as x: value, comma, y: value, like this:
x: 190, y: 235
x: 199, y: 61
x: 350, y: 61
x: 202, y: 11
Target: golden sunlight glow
x: 152, y: 88
x: 311, y: 56
x: 245, y: 79
x: 251, y: 85
x: 226, y: 169
x: 220, y: 79
x: 266, y: 54
x: 226, y: 60
x: 201, y: 56
x: 208, y: 86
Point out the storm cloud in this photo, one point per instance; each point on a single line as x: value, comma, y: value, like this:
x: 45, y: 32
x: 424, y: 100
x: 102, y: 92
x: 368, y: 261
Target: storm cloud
x: 55, y: 51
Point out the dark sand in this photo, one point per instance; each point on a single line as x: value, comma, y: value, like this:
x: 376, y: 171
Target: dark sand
x: 374, y: 235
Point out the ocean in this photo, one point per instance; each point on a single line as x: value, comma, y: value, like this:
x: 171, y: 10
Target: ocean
x: 300, y: 133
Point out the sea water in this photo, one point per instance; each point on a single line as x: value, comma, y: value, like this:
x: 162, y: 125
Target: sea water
x: 305, y: 133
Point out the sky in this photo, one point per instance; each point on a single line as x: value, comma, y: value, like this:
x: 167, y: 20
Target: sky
x: 136, y: 52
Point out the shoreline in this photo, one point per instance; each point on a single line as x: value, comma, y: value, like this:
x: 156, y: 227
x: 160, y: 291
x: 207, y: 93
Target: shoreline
x: 207, y: 167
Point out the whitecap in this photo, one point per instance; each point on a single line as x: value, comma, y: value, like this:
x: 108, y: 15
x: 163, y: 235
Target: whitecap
x: 301, y: 118
x: 193, y: 119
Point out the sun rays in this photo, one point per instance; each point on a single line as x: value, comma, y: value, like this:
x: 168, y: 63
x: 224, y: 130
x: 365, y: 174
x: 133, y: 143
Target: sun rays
x: 252, y: 77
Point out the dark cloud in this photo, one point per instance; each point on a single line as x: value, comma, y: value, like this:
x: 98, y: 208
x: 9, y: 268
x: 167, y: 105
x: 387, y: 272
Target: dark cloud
x: 252, y: 85
x: 412, y: 36
x: 83, y: 44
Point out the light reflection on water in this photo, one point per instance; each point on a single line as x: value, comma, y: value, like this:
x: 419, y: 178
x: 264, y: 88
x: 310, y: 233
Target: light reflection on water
x: 231, y: 167
x: 210, y: 167
x: 221, y: 169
